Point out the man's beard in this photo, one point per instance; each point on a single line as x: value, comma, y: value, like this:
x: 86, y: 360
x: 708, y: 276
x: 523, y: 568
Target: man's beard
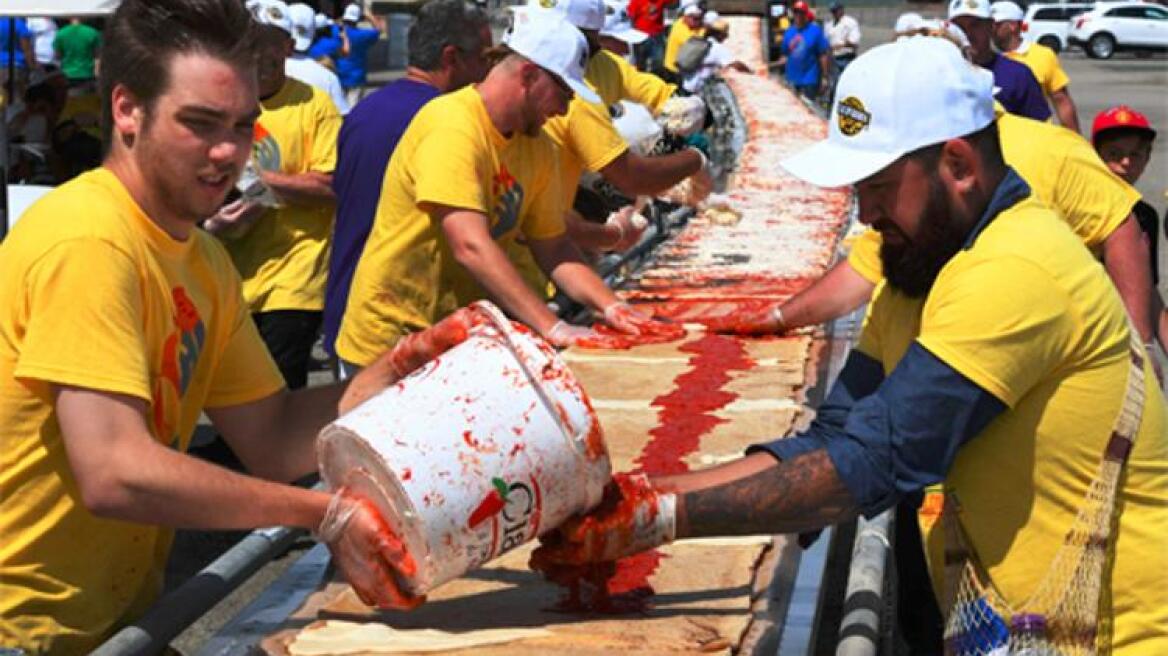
x: 912, y: 266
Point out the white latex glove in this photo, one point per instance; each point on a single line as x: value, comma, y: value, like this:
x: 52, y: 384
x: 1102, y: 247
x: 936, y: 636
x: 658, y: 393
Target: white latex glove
x: 682, y: 116
x: 234, y: 219
x: 564, y: 334
x: 629, y: 226
x: 701, y: 184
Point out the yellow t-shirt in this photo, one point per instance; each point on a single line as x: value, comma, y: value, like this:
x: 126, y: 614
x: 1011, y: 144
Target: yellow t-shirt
x: 615, y: 79
x: 451, y: 155
x: 1044, y: 63
x: 679, y: 33
x: 284, y: 257
x: 94, y: 294
x: 1062, y: 169
x: 1030, y: 317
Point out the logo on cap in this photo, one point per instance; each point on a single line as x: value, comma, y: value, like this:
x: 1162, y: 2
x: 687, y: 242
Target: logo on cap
x: 547, y: 4
x: 1123, y: 116
x: 853, y: 117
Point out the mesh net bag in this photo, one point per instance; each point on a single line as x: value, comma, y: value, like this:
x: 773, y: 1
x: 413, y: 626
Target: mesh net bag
x: 1061, y: 616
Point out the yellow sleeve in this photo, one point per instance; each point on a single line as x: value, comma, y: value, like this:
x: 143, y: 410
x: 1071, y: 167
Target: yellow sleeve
x: 448, y: 169
x: 592, y: 136
x: 1056, y: 79
x: 326, y: 127
x: 865, y: 256
x: 1001, y: 322
x: 545, y: 213
x: 1093, y: 200
x: 644, y: 88
x: 85, y: 286
x: 677, y: 35
x: 245, y: 370
x: 870, y: 342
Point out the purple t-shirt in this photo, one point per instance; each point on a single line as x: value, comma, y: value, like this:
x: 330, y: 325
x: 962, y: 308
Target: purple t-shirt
x: 368, y: 138
x: 1018, y: 89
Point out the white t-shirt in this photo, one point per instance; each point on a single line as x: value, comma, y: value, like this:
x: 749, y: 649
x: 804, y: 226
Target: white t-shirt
x: 844, y: 35
x: 44, y: 30
x: 717, y: 58
x: 311, y: 72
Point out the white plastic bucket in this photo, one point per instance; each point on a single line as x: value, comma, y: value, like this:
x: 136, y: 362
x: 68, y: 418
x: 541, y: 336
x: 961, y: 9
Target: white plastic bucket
x: 499, y: 414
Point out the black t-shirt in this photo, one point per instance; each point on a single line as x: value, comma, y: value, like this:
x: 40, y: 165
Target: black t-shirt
x: 1150, y: 224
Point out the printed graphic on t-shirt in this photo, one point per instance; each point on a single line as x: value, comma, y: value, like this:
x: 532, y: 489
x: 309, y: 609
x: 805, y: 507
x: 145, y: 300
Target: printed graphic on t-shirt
x: 180, y: 355
x: 265, y: 149
x: 507, y: 189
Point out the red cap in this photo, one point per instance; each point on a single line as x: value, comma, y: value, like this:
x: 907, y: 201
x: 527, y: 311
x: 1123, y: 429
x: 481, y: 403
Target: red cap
x: 1120, y: 116
x: 801, y: 6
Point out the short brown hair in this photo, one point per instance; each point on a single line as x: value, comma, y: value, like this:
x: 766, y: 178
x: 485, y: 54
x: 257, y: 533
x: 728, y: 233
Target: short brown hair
x: 143, y: 36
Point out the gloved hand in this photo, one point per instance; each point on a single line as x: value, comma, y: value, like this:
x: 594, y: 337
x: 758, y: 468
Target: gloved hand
x: 632, y: 516
x: 621, y: 316
x: 629, y: 226
x: 366, y: 551
x: 682, y: 116
x: 769, y: 322
x: 233, y: 220
x: 564, y: 334
x: 701, y: 184
x: 411, y: 352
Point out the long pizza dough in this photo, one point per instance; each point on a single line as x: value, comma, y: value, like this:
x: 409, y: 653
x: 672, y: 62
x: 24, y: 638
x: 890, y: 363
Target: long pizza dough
x: 336, y: 637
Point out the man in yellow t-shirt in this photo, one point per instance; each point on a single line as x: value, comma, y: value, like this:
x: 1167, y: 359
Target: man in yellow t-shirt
x: 987, y: 365
x: 472, y: 173
x: 688, y: 25
x: 283, y: 255
x: 120, y: 322
x: 588, y: 141
x: 1041, y: 60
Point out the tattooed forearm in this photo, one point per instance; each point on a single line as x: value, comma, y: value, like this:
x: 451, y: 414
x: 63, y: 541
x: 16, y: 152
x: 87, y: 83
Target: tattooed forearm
x: 802, y: 494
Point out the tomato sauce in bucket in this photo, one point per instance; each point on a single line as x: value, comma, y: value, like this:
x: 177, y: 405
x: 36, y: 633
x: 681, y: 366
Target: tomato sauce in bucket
x: 477, y: 452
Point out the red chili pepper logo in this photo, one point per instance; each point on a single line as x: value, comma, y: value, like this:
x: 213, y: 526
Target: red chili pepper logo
x: 491, y: 505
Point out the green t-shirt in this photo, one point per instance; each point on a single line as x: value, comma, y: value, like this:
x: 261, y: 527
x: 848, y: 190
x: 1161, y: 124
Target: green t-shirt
x: 77, y: 46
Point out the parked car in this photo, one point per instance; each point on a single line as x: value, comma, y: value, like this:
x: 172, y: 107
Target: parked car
x: 1108, y: 28
x: 1049, y: 23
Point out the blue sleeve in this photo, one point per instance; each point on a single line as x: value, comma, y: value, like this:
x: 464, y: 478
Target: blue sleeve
x: 900, y: 437
x: 1033, y: 100
x: 823, y: 45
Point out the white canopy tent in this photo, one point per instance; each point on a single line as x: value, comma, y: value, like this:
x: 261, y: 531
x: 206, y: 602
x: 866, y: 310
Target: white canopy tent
x: 18, y: 197
x: 55, y: 8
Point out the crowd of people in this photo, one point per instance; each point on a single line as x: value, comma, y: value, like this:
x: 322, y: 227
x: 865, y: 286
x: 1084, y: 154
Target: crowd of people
x: 247, y: 197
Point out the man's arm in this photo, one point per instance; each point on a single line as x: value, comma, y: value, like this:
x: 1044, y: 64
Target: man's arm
x: 636, y: 175
x: 1064, y: 106
x: 471, y: 244
x: 561, y: 261
x: 1125, y: 255
x: 123, y: 473
x: 309, y: 188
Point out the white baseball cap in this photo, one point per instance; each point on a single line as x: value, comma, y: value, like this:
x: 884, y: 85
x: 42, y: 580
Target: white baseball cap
x: 892, y: 100
x: 693, y: 10
x: 271, y: 12
x: 1006, y: 11
x: 321, y: 21
x: 352, y: 13
x: 710, y: 18
x: 618, y: 25
x: 908, y: 22
x: 975, y: 8
x: 303, y: 25
x: 552, y: 43
x: 584, y: 14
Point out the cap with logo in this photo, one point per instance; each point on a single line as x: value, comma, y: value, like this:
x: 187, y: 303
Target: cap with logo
x: 1006, y: 11
x: 271, y: 12
x: 800, y: 7
x: 352, y: 13
x: 553, y: 44
x: 892, y: 100
x: 584, y: 14
x: 1120, y: 117
x: 303, y: 20
x: 693, y: 10
x: 975, y: 8
x: 618, y: 25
